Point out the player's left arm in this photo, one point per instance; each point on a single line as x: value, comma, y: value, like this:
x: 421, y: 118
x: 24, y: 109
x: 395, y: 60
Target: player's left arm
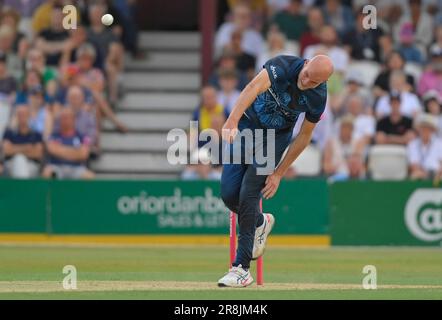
x: 301, y: 141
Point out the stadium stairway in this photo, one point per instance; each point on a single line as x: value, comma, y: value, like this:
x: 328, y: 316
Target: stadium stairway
x: 160, y: 93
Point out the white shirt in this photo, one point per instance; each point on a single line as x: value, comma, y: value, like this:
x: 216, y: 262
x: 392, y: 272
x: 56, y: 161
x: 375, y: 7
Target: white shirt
x: 338, y: 55
x: 252, y: 41
x: 429, y: 157
x: 228, y: 101
x: 410, y: 105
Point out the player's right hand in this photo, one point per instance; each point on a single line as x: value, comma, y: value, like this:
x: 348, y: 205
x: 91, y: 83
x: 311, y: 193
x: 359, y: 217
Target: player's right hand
x: 229, y: 130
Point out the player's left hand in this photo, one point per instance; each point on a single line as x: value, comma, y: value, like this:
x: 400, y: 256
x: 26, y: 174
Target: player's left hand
x: 272, y: 184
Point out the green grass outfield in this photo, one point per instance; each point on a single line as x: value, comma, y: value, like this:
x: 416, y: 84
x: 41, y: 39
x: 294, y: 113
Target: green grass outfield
x: 167, y: 272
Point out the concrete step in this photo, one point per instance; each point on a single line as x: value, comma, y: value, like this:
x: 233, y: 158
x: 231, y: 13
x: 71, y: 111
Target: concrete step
x: 164, y: 60
x: 134, y: 141
x: 159, y: 101
x: 169, y: 40
x: 140, y: 121
x: 161, y: 81
x: 139, y: 162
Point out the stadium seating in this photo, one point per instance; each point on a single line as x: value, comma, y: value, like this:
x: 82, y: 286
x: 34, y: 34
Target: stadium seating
x: 309, y: 162
x: 387, y: 162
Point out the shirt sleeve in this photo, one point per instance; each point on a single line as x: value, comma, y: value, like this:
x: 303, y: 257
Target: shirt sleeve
x: 277, y: 73
x: 317, y: 104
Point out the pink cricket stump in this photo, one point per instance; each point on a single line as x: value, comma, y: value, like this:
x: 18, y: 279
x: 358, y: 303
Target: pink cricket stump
x: 259, y: 261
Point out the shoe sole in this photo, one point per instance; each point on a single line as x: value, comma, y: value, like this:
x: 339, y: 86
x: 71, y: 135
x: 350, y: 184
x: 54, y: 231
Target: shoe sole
x: 272, y: 223
x: 223, y: 285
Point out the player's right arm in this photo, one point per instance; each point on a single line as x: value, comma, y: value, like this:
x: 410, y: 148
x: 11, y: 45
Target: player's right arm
x: 259, y: 84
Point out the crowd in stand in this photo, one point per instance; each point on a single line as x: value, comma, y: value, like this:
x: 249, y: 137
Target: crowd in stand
x: 400, y: 106
x: 57, y: 84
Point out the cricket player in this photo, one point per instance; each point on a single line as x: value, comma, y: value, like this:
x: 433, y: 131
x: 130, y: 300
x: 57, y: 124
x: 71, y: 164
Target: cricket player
x: 286, y: 87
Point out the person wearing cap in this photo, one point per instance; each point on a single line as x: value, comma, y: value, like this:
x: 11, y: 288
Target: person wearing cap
x: 394, y: 128
x: 425, y: 152
x: 22, y: 147
x: 431, y: 79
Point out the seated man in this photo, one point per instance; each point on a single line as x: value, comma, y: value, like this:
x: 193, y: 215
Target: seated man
x: 22, y: 148
x: 68, y: 151
x: 425, y: 152
x: 394, y: 128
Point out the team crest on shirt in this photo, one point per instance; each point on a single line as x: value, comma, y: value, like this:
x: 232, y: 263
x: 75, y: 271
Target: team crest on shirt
x: 302, y: 100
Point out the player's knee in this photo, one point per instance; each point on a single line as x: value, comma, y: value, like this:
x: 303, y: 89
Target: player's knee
x: 230, y: 198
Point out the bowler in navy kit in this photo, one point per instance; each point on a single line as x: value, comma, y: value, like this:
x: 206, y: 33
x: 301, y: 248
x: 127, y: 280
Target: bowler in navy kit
x: 286, y: 87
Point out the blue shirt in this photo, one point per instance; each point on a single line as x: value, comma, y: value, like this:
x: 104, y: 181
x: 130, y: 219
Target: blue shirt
x: 75, y: 141
x: 15, y: 137
x: 280, y: 106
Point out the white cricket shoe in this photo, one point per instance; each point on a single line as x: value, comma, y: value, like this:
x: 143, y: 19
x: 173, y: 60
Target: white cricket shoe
x: 261, y: 234
x: 237, y: 277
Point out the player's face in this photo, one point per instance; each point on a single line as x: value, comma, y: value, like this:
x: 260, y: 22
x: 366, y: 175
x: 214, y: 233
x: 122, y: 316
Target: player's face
x: 307, y: 79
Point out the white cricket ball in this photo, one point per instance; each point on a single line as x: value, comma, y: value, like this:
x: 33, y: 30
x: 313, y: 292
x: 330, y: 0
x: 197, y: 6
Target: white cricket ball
x: 107, y: 19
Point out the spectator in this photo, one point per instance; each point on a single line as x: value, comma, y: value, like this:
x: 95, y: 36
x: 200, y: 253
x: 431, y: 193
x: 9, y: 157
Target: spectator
x: 68, y: 151
x: 108, y: 47
x: 228, y: 95
x: 32, y: 79
x: 291, y: 21
x: 244, y: 62
x: 394, y: 61
x: 252, y: 41
x: 354, y: 86
x: 394, y: 128
x: 26, y: 10
x: 11, y: 18
x: 54, y: 39
x: 91, y: 80
x: 22, y: 148
x: 227, y: 62
x: 41, y: 120
x: 362, y: 43
x: 425, y: 152
x: 7, y: 93
x: 431, y: 79
x: 14, y: 60
x: 200, y: 167
x: 329, y: 46
x: 315, y: 21
x: 342, y: 158
x: 210, y: 114
x: 85, y: 118
x: 410, y: 104
x: 421, y: 22
x: 36, y: 61
x: 437, y: 45
x: 42, y: 18
x: 364, y: 125
x: 338, y: 15
x: 276, y: 45
x: 433, y: 106
x: 77, y: 37
x: 407, y: 47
